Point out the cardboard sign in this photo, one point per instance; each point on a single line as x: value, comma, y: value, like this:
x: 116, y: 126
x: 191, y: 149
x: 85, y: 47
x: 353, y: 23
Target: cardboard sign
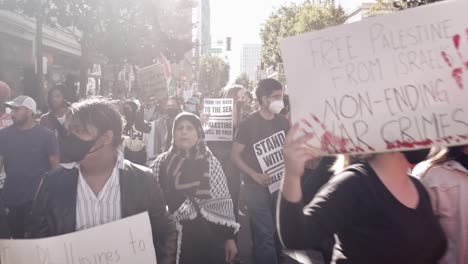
x: 388, y: 83
x: 125, y: 241
x: 219, y: 126
x: 152, y: 81
x: 270, y: 157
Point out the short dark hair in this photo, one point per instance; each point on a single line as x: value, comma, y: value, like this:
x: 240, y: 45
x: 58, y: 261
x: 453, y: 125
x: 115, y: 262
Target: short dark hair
x: 97, y: 112
x: 59, y: 88
x: 266, y: 87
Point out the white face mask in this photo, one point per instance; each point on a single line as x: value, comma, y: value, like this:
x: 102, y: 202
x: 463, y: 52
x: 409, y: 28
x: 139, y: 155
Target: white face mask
x: 276, y: 106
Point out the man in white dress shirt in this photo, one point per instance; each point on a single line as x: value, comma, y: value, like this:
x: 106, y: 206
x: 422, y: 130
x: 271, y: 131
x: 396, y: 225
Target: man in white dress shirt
x: 100, y: 186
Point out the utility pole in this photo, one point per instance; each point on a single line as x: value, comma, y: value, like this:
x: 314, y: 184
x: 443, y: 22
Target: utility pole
x: 39, y: 56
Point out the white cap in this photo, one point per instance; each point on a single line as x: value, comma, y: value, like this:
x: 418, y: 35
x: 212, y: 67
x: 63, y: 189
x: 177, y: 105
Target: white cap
x: 23, y: 100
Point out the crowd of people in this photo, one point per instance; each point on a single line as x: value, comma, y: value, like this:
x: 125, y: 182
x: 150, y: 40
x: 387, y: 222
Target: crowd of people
x: 95, y: 161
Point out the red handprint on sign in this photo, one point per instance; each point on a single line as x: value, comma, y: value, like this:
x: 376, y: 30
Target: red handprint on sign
x: 457, y: 73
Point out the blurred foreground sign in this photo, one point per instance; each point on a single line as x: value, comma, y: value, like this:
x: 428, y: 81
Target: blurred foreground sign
x: 126, y: 241
x: 388, y: 83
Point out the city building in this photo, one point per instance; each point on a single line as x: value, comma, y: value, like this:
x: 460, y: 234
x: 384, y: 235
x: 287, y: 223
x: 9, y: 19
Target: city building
x: 204, y: 26
x: 250, y: 59
x: 61, y: 54
x: 356, y: 10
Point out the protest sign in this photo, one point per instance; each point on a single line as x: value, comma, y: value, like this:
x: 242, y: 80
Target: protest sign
x: 388, y: 83
x: 152, y: 81
x: 269, y: 153
x: 126, y: 241
x: 219, y: 126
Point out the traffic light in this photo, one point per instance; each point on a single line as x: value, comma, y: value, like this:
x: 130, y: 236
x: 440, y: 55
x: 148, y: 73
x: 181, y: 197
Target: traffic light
x: 228, y: 43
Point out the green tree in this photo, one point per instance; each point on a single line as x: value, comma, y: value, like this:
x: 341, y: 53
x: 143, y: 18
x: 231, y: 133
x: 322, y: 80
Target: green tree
x: 404, y: 4
x: 392, y: 5
x: 381, y: 6
x: 121, y: 30
x: 244, y: 80
x: 293, y: 19
x: 214, y: 74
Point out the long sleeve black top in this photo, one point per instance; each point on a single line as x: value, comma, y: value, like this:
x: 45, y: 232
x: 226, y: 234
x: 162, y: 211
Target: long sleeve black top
x: 371, y: 225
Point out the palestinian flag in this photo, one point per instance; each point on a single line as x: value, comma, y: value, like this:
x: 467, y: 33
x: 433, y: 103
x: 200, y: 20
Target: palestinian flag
x: 171, y: 84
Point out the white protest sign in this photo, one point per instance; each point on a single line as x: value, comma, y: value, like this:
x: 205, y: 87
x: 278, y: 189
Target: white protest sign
x: 392, y: 82
x: 269, y: 153
x: 126, y: 241
x: 219, y: 126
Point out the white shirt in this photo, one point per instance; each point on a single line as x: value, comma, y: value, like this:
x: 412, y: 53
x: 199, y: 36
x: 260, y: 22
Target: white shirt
x: 94, y: 210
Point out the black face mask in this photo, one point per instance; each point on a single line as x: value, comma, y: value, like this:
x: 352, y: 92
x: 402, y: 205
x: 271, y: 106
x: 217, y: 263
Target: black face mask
x: 416, y: 156
x: 75, y: 149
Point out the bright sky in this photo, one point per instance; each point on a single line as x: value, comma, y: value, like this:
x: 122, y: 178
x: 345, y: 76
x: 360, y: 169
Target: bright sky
x: 241, y: 20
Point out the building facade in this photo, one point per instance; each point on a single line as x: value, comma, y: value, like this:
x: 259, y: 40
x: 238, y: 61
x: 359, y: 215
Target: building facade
x: 61, y: 54
x: 250, y: 59
x: 203, y: 23
x: 356, y: 10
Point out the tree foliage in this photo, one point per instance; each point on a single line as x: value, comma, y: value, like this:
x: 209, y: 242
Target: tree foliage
x: 293, y: 19
x: 404, y: 4
x: 120, y: 30
x: 393, y: 5
x: 244, y: 80
x: 214, y: 74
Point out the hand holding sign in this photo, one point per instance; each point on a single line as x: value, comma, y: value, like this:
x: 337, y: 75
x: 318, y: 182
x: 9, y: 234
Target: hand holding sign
x: 261, y: 178
x: 297, y: 152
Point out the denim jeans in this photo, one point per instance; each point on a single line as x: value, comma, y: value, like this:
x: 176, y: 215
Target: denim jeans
x: 261, y: 206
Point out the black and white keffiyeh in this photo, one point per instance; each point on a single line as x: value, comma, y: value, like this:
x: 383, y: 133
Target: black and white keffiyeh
x: 194, y: 182
x: 216, y: 207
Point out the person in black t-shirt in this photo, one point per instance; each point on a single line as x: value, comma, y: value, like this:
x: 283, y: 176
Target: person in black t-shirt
x: 378, y: 213
x: 58, y: 107
x: 260, y: 202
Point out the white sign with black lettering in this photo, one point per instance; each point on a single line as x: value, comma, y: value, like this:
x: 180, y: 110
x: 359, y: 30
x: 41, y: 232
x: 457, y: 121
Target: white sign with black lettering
x: 269, y: 153
x: 126, y: 241
x: 387, y: 83
x: 219, y: 125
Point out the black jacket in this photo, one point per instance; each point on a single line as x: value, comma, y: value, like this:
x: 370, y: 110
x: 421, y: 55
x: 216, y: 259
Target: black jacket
x: 54, y: 209
x: 4, y: 229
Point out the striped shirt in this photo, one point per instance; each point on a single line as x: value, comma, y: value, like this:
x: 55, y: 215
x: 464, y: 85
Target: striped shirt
x: 94, y: 210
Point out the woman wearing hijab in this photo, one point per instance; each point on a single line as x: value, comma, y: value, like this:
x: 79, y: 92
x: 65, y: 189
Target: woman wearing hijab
x: 445, y: 177
x: 197, y: 195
